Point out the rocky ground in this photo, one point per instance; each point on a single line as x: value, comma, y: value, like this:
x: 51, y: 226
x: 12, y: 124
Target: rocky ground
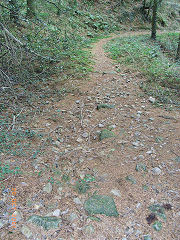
x: 111, y: 170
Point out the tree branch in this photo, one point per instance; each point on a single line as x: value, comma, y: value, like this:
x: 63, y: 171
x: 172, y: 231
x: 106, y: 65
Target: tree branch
x: 23, y: 45
x: 53, y: 4
x: 5, y: 7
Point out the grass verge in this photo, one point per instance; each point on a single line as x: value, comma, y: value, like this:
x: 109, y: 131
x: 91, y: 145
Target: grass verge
x: 153, y: 61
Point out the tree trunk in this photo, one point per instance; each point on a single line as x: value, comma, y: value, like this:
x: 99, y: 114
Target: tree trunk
x: 178, y: 50
x: 154, y: 19
x: 59, y: 7
x: 14, y: 12
x: 144, y: 5
x: 30, y: 8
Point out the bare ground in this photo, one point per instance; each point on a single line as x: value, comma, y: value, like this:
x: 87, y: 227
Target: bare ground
x: 143, y: 134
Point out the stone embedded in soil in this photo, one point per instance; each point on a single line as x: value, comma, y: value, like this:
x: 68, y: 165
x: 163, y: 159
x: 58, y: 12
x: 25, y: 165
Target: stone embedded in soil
x: 56, y: 212
x: 85, y: 135
x: 26, y: 231
x: 177, y: 159
x: 104, y: 106
x: 116, y: 192
x: 77, y: 201
x: 101, y: 204
x: 135, y: 144
x: 45, y: 222
x: 3, y: 222
x: 59, y: 190
x: 47, y: 188
x: 79, y: 140
x: 106, y: 134
x: 152, y: 99
x: 73, y: 217
x: 156, y: 171
x: 147, y: 237
x: 88, y: 230
x: 18, y: 216
x: 112, y: 127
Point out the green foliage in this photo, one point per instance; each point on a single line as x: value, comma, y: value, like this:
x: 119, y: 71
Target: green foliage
x: 157, y: 226
x: 141, y: 166
x: 146, y: 55
x: 82, y: 186
x: 131, y: 179
x: 15, y: 141
x: 65, y: 178
x: 5, y: 170
x: 105, y: 133
x: 169, y: 43
x: 158, y: 210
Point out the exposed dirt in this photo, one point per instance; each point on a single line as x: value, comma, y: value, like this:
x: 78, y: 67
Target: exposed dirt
x: 144, y: 134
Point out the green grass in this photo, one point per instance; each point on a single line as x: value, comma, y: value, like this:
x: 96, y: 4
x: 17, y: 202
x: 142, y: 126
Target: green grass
x: 142, y: 54
x: 169, y: 43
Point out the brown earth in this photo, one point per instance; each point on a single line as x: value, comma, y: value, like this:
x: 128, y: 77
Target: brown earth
x: 143, y: 134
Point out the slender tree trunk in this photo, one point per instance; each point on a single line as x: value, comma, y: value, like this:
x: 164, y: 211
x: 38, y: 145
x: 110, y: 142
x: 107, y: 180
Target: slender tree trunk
x: 30, y: 8
x: 144, y: 5
x: 14, y: 12
x: 154, y: 20
x: 59, y: 7
x: 178, y: 50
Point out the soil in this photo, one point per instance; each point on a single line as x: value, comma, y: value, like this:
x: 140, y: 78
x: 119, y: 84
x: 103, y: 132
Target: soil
x: 144, y: 134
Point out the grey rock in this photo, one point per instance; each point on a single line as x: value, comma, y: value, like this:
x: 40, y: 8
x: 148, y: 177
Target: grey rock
x: 79, y: 140
x: 116, y: 192
x: 18, y: 215
x: 89, y: 229
x: 77, y: 201
x: 135, y: 144
x: 56, y: 213
x: 147, y: 237
x: 47, y: 188
x: 72, y: 217
x: 129, y: 230
x: 156, y: 171
x: 3, y: 222
x: 85, y: 135
x: 152, y: 99
x: 137, y: 233
x: 140, y: 157
x: 26, y: 231
x: 59, y: 190
x: 112, y: 126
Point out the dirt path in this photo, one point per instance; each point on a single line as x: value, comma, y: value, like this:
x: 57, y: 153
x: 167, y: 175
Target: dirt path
x: 144, y: 136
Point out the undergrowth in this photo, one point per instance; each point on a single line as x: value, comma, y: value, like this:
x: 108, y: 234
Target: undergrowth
x: 141, y: 53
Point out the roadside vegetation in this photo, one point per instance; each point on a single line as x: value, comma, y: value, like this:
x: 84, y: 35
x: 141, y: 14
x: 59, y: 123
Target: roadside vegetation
x: 154, y: 59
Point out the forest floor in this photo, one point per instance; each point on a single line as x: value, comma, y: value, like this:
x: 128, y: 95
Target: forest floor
x: 137, y: 165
